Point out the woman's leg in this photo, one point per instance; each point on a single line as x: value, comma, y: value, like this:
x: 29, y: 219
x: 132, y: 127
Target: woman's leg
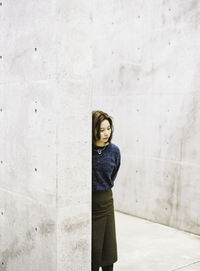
x: 107, y: 268
x: 95, y: 268
x: 98, y: 226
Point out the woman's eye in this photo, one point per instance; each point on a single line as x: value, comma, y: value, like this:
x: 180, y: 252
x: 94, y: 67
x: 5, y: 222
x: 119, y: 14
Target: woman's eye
x: 103, y: 130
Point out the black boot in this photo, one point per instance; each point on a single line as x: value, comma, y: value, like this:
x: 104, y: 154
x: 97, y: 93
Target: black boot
x: 107, y: 268
x: 95, y: 267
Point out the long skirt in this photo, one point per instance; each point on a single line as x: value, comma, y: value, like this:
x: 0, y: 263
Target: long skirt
x: 104, y: 245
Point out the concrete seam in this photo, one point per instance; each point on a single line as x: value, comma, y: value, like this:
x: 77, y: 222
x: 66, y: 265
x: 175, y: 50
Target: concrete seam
x: 151, y: 221
x: 24, y: 196
x: 181, y: 267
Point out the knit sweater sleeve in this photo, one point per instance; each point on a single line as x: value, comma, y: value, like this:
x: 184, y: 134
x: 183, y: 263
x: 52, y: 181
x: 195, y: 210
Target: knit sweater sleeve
x: 117, y: 164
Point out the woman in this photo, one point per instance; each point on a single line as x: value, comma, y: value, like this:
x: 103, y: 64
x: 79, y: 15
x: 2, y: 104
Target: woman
x: 106, y: 159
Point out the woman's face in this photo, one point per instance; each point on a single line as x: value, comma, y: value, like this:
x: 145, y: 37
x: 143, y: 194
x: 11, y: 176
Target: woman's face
x: 105, y: 131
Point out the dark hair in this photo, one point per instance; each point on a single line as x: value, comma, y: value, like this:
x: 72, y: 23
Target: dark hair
x: 97, y: 117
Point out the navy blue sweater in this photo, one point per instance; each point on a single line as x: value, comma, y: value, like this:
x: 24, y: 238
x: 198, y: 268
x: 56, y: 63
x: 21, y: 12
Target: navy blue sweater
x: 105, y: 167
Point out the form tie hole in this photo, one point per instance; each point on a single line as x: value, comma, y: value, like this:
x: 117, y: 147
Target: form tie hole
x: 1, y: 162
x: 35, y: 110
x: 1, y: 109
x: 35, y: 228
x: 2, y: 213
x: 0, y: 3
x: 1, y: 57
x: 35, y: 49
x: 35, y: 169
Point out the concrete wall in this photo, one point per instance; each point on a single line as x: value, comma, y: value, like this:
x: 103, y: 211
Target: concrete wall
x: 45, y: 124
x: 146, y: 64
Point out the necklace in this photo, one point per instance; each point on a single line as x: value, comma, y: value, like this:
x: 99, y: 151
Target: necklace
x: 100, y: 150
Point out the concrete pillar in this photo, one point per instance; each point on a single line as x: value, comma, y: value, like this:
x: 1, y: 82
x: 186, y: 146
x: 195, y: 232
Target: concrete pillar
x: 45, y: 142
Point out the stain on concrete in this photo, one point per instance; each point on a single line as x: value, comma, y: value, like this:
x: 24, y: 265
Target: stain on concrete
x: 192, y: 5
x: 128, y: 73
x: 18, y: 248
x: 136, y: 68
x: 81, y: 244
x: 192, y: 118
x: 191, y: 222
x: 72, y: 224
x: 192, y: 11
x: 187, y: 12
x: 184, y: 137
x: 163, y: 18
x: 47, y: 227
x: 151, y: 72
x: 168, y: 197
x: 174, y: 198
x: 121, y: 74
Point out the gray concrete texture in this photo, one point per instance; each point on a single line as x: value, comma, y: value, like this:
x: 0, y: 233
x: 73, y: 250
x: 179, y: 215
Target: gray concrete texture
x: 45, y: 123
x: 146, y: 65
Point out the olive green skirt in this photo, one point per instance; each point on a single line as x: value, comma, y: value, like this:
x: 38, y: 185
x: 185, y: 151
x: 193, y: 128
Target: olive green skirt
x: 104, y: 245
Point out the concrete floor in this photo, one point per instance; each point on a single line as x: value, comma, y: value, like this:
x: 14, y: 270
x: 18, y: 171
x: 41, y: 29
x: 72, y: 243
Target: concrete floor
x: 147, y: 246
